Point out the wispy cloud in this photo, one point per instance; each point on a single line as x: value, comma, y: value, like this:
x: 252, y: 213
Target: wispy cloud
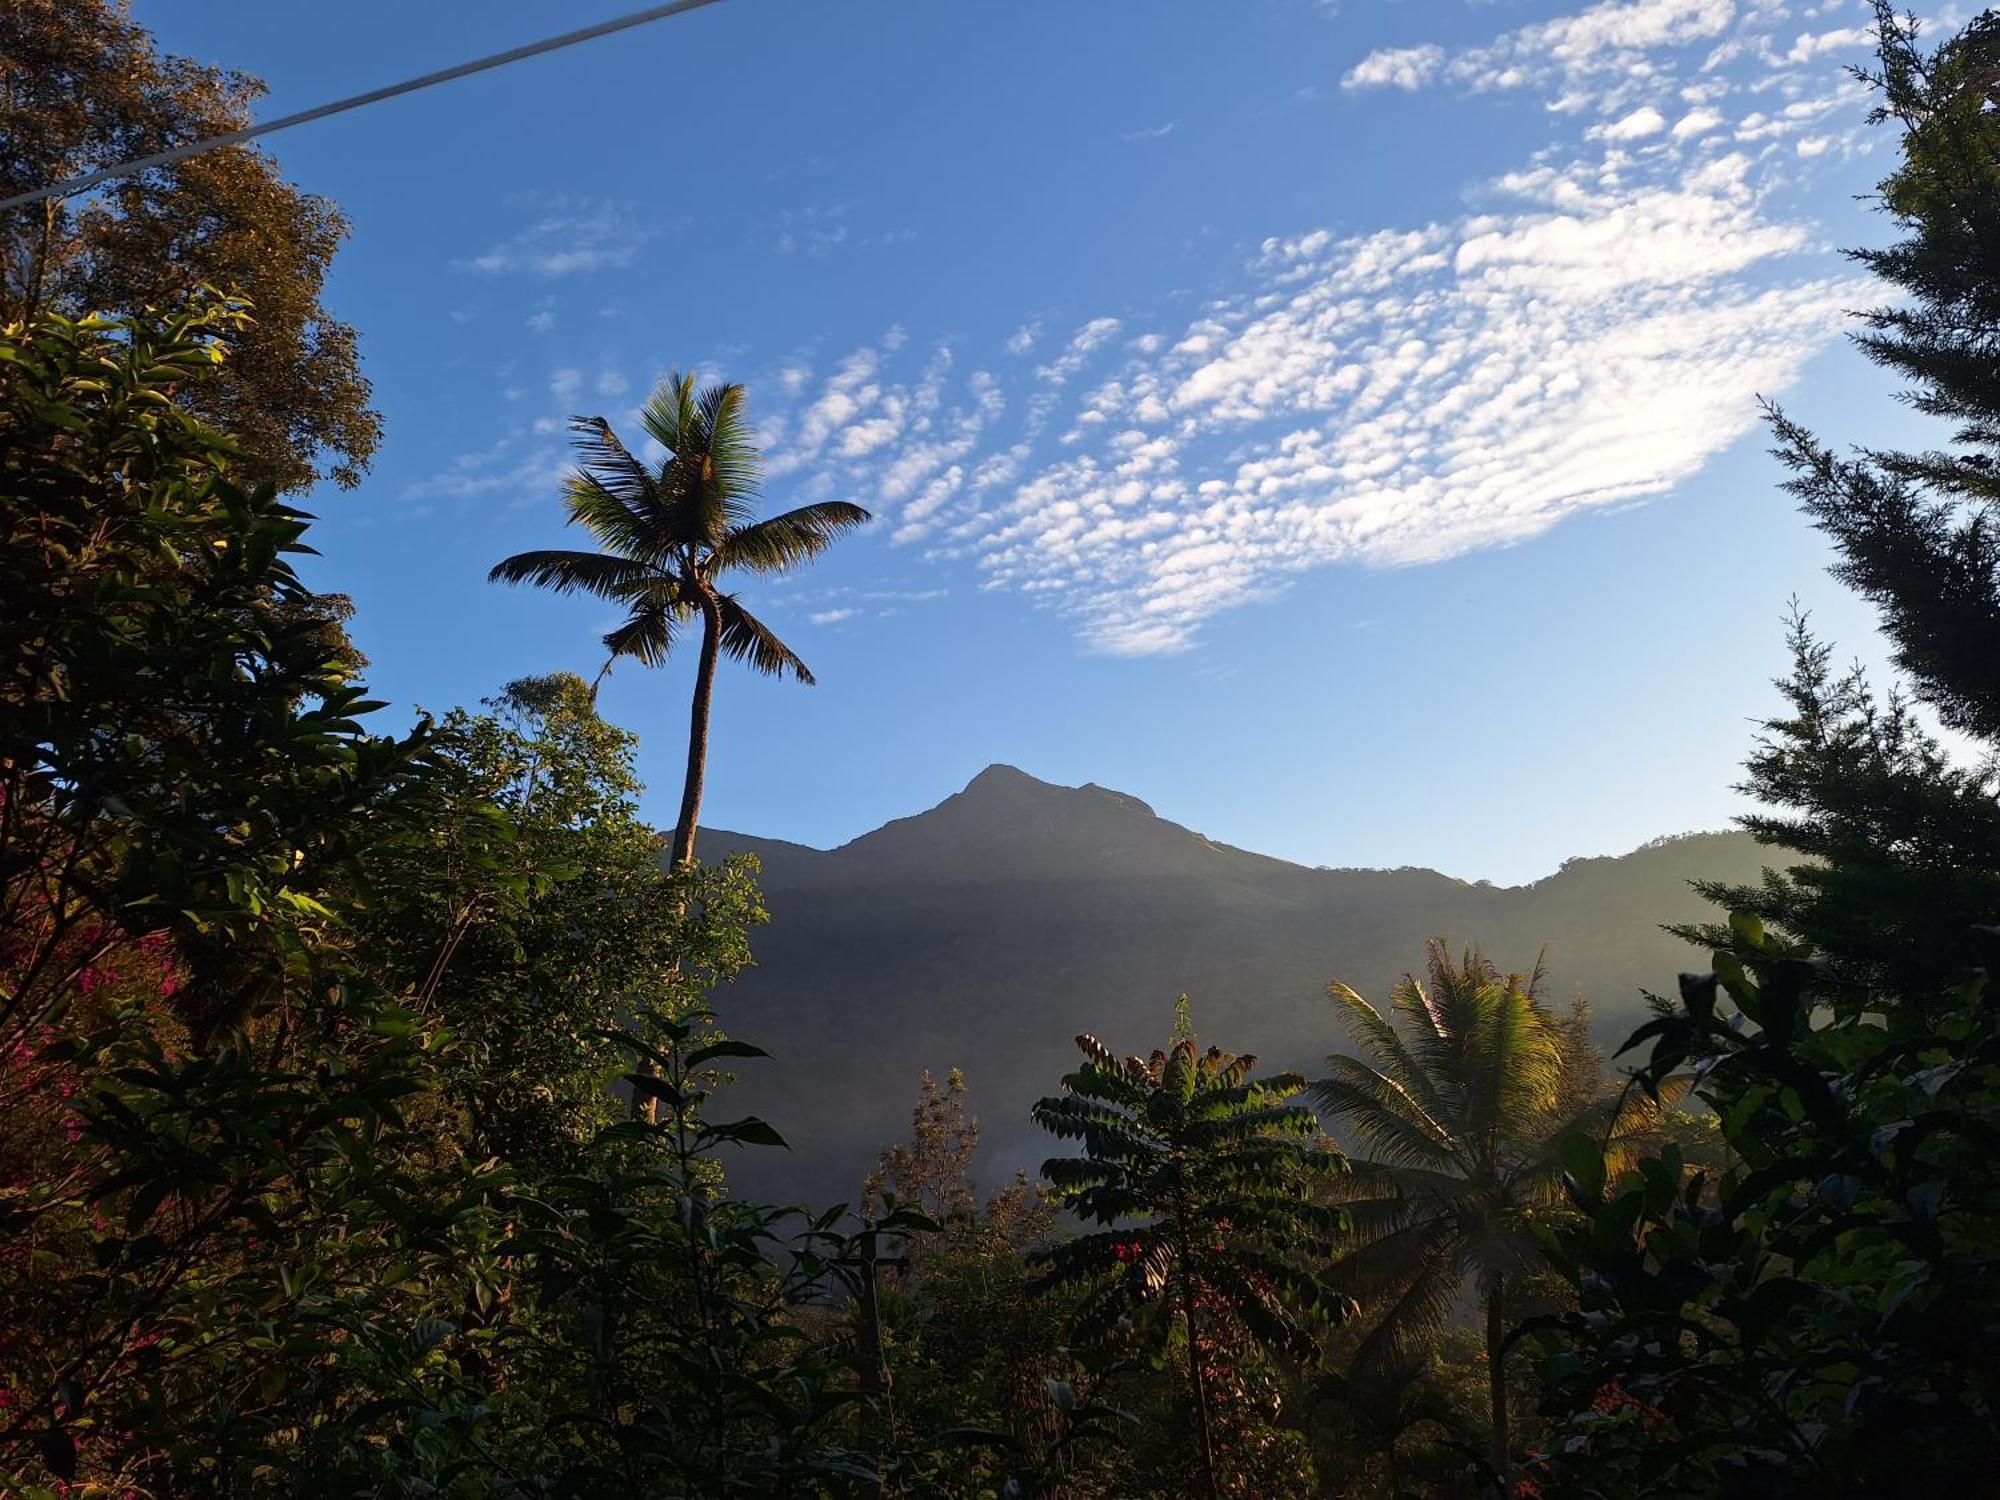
x: 528, y: 463
x: 1811, y: 45
x: 568, y: 237
x: 1023, y: 338
x: 1085, y: 342
x: 1396, y: 68
x: 813, y: 230
x: 831, y: 616
x: 1611, y: 42
x: 1152, y: 133
x: 823, y: 228
x: 1635, y: 126
x: 1592, y: 333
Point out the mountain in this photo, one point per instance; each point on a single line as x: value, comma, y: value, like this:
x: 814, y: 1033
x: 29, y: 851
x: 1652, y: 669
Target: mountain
x: 985, y: 933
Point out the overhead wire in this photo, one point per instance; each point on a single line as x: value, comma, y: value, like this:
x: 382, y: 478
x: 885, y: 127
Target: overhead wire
x: 89, y: 180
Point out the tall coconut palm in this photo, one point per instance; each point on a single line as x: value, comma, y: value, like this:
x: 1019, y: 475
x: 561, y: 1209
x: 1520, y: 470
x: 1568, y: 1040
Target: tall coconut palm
x: 1460, y: 1108
x: 669, y: 532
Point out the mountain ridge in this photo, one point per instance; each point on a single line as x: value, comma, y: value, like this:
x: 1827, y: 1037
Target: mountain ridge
x: 735, y: 841
x: 987, y: 931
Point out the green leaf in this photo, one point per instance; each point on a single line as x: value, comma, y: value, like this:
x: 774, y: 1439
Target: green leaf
x: 714, y: 1050
x: 749, y: 1131
x: 1748, y: 928
x: 1583, y: 1164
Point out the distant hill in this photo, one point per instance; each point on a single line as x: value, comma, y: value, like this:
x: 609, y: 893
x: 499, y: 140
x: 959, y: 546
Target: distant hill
x: 987, y: 932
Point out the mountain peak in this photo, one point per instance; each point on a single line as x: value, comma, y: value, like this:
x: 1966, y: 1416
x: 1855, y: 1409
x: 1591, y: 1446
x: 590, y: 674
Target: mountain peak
x: 1002, y: 777
x: 1001, y: 780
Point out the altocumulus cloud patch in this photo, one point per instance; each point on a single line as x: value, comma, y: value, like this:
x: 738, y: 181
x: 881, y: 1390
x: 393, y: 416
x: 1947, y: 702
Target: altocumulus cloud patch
x: 1593, y: 332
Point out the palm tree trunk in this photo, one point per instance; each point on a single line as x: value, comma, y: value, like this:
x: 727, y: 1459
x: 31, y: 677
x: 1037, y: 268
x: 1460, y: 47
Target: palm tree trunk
x: 697, y: 766
x: 1496, y: 1375
x: 1200, y: 1383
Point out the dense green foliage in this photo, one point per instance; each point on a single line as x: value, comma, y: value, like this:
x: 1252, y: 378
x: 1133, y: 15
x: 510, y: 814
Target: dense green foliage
x: 1820, y: 1317
x: 298, y: 1194
x: 84, y: 89
x: 211, y: 1161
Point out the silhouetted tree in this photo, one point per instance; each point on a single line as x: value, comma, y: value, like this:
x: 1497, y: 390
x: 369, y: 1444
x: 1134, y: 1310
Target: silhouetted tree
x: 1903, y: 840
x: 669, y: 533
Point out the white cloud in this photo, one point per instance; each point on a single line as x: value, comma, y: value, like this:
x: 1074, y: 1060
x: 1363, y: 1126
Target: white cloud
x: 1152, y: 133
x: 571, y: 237
x: 1087, y: 340
x: 1405, y: 397
x: 1605, y: 45
x: 541, y: 322
x: 1809, y: 46
x: 611, y: 383
x: 832, y: 616
x: 1591, y: 333
x: 1640, y: 123
x: 1696, y: 122
x: 1396, y: 67
x: 817, y: 229
x: 520, y: 469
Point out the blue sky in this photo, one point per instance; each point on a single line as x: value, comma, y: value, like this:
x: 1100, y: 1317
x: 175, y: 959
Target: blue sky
x: 1334, y: 424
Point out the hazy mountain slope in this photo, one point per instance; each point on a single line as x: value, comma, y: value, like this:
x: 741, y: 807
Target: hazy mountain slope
x: 986, y: 932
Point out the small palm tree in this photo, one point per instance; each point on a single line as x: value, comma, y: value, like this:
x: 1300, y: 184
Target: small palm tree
x: 1208, y: 1184
x: 1461, y: 1109
x: 668, y: 533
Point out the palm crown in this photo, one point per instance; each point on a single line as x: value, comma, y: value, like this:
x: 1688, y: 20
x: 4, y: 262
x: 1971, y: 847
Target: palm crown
x: 669, y: 532
x: 1461, y: 1111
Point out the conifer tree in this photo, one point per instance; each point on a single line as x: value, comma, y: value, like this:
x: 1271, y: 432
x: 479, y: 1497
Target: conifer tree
x: 1903, y: 837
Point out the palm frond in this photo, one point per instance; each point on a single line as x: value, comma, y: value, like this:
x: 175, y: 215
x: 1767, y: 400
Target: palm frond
x: 1392, y: 1058
x: 733, y: 468
x: 670, y: 415
x: 647, y: 634
x: 747, y: 638
x: 1414, y: 1293
x: 1421, y: 1189
x: 574, y: 572
x: 782, y: 542
x: 1514, y: 1062
x: 605, y: 455
x: 623, y: 526
x: 1383, y: 1115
